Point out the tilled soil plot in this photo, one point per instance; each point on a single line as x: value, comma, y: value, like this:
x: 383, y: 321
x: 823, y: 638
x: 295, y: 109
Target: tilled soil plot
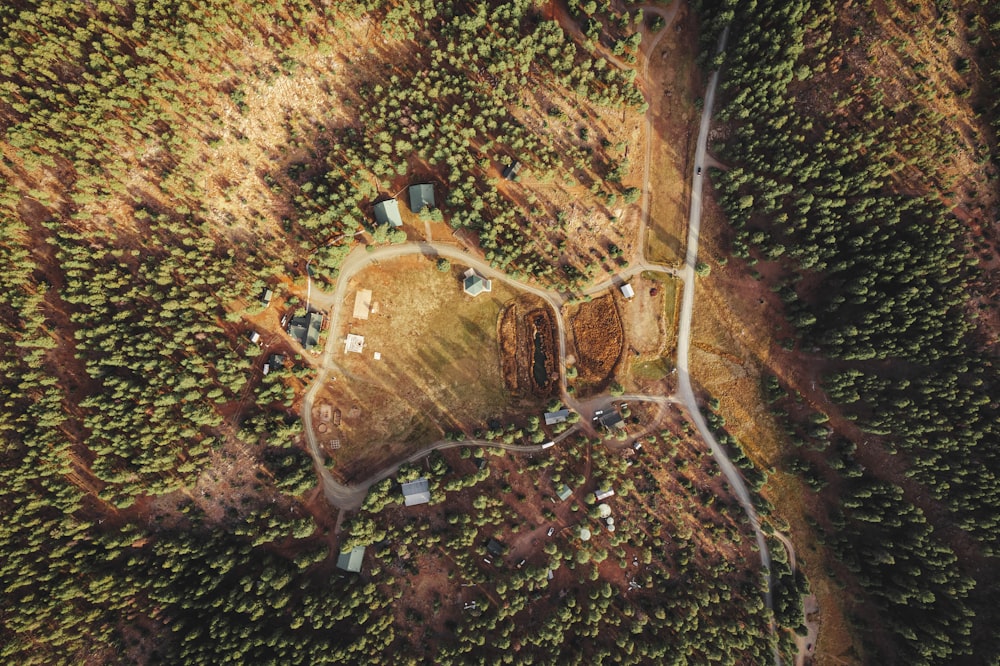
x: 599, y: 339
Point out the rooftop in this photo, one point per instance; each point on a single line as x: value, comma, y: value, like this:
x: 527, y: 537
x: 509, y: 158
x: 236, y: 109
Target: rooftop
x: 612, y: 419
x: 421, y: 196
x: 627, y: 291
x: 416, y: 492
x: 306, y: 329
x: 563, y: 491
x: 475, y: 284
x: 604, y: 493
x: 551, y: 418
x: 351, y: 560
x: 388, y: 212
x: 354, y: 343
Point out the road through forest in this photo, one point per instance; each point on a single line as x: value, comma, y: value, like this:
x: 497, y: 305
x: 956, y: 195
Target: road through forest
x: 349, y: 497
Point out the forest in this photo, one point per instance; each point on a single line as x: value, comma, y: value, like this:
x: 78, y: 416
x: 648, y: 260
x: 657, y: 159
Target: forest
x: 852, y: 197
x: 159, y: 169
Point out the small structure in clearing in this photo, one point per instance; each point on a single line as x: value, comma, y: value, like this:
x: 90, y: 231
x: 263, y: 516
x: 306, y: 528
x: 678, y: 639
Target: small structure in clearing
x: 362, y: 303
x: 421, y: 197
x: 351, y: 560
x: 563, y: 492
x: 552, y: 418
x: 265, y: 297
x: 510, y: 171
x: 354, y: 343
x: 416, y: 492
x: 387, y: 212
x: 627, y: 291
x: 475, y: 284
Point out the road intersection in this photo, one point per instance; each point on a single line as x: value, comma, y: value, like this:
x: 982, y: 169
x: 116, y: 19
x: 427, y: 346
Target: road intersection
x: 350, y: 497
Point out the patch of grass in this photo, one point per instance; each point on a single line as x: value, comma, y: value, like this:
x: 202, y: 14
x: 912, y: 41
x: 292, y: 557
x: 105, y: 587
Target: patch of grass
x: 652, y: 370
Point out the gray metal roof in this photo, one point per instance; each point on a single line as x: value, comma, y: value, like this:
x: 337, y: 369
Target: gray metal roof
x: 388, y: 212
x: 551, y: 418
x: 306, y: 329
x: 416, y: 492
x: 351, y: 560
x: 476, y: 284
x: 421, y: 196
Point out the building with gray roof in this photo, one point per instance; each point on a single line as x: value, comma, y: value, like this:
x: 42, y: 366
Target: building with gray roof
x: 387, y: 212
x: 416, y: 492
x: 421, y: 196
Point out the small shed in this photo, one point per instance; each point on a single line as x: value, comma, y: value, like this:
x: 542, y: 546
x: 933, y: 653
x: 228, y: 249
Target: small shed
x: 627, y: 291
x: 350, y: 560
x: 387, y: 212
x: 510, y: 171
x: 475, y: 284
x: 416, y: 492
x: 552, y: 418
x: 563, y: 492
x: 421, y: 197
x: 265, y: 297
x: 604, y: 493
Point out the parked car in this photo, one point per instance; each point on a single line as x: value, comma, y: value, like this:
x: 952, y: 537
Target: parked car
x: 551, y: 531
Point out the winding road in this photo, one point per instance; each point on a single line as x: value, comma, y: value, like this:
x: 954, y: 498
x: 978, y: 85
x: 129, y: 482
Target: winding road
x: 349, y: 497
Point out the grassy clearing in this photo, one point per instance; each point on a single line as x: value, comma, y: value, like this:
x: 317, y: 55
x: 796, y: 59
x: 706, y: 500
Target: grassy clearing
x: 439, y: 368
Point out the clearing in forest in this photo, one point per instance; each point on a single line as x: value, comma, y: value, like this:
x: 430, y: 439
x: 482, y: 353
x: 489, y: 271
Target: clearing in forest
x: 437, y: 367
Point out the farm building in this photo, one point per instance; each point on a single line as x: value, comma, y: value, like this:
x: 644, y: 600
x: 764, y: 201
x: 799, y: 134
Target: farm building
x: 416, y: 492
x: 552, y: 418
x: 351, y: 560
x: 306, y: 329
x: 387, y: 212
x: 421, y: 196
x: 475, y: 284
x: 627, y: 291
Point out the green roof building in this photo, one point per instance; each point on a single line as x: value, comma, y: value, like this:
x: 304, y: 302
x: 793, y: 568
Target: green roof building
x: 421, y: 196
x: 387, y: 212
x: 351, y: 560
x: 563, y: 492
x: 475, y: 284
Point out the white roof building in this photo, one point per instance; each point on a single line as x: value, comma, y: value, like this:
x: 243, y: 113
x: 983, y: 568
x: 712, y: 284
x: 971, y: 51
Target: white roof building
x: 627, y: 291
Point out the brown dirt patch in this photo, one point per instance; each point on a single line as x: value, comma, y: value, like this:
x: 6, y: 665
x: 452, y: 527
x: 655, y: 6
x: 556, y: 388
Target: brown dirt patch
x: 599, y: 339
x: 523, y: 322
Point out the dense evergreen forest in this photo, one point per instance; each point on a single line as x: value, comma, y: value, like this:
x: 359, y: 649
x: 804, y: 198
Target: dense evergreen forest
x: 156, y: 175
x: 850, y: 193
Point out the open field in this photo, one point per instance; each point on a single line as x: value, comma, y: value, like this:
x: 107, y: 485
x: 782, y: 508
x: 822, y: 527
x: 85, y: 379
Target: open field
x: 439, y: 368
x: 674, y: 84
